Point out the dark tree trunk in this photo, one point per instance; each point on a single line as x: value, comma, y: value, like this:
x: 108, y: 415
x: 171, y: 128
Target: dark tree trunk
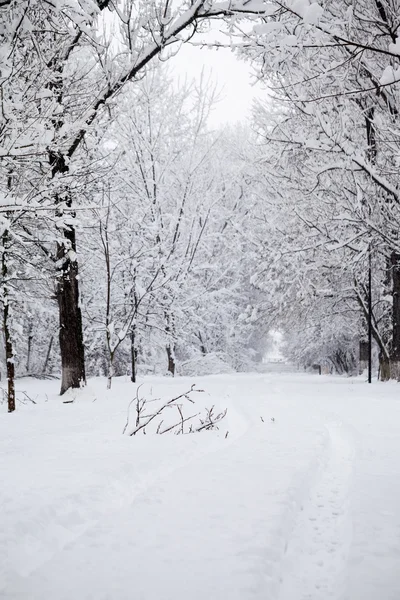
x: 29, y: 352
x: 363, y: 357
x: 71, y: 334
x: 395, y: 347
x: 384, y: 367
x: 203, y: 348
x: 70, y: 316
x: 10, y: 362
x: 171, y: 360
x: 7, y: 332
x: 386, y: 323
x: 134, y: 355
x: 46, y: 360
x: 170, y: 330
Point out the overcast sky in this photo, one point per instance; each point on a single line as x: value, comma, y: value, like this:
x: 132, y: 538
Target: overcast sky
x: 233, y: 76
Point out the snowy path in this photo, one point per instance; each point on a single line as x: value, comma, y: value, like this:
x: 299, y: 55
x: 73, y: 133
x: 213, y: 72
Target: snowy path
x: 302, y: 507
x: 318, y: 548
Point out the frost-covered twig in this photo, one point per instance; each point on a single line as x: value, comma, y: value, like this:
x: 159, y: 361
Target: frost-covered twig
x: 149, y: 418
x: 181, y: 423
x: 204, y: 421
x: 28, y: 398
x: 23, y: 400
x: 211, y: 419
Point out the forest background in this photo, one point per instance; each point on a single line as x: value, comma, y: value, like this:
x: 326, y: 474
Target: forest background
x: 138, y: 234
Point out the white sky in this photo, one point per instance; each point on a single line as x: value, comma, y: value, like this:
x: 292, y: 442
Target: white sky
x: 233, y: 78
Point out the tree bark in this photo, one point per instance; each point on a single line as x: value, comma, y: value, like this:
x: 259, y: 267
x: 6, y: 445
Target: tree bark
x: 46, y: 360
x: 134, y: 355
x: 203, y: 348
x: 363, y: 357
x: 70, y: 316
x: 170, y: 330
x: 67, y: 286
x: 110, y: 370
x: 171, y: 360
x: 6, y: 323
x: 71, y: 334
x: 10, y: 362
x: 29, y: 352
x: 395, y: 348
x: 384, y: 367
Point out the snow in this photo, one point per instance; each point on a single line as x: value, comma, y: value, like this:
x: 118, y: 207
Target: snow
x: 299, y: 501
x: 313, y: 14
x: 264, y: 28
x: 395, y: 48
x: 310, y: 12
x: 289, y: 40
x: 389, y: 76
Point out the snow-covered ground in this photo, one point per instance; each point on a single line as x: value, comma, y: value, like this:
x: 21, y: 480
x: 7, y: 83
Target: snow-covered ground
x: 299, y: 501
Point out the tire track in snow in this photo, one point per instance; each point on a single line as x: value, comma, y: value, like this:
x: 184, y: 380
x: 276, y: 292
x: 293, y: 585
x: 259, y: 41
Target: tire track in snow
x: 314, y: 564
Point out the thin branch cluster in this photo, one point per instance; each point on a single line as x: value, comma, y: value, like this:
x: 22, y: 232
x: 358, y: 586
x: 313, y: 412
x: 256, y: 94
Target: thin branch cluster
x: 182, y: 423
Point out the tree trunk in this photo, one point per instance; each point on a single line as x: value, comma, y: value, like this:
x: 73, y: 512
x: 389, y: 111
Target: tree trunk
x: 46, y: 360
x: 71, y: 334
x: 395, y: 346
x: 110, y: 371
x: 10, y: 362
x: 171, y: 360
x: 134, y: 355
x: 29, y: 352
x: 7, y: 332
x: 70, y: 316
x: 203, y: 348
x: 169, y: 330
x: 384, y: 368
x: 363, y: 357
